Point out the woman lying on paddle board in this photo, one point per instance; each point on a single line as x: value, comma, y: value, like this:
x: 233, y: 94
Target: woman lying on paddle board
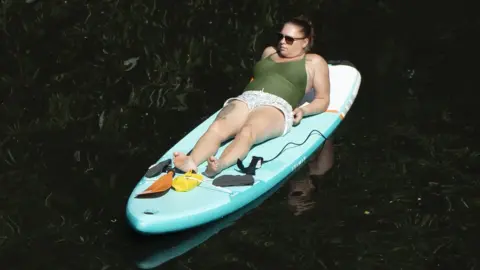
x: 268, y: 106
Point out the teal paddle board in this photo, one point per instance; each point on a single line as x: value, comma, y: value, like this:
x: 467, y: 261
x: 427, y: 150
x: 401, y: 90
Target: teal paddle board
x: 175, y: 211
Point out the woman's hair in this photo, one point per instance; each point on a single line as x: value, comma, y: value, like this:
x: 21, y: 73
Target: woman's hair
x: 306, y: 27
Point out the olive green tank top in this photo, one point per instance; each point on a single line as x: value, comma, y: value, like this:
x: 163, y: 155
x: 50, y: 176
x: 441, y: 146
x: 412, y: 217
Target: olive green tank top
x: 287, y: 80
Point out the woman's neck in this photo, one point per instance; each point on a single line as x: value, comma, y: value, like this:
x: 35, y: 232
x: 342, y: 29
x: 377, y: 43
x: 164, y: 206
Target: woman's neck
x: 291, y: 57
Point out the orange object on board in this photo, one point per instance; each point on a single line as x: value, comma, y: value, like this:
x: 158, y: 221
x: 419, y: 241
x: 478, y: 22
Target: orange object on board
x: 162, y: 184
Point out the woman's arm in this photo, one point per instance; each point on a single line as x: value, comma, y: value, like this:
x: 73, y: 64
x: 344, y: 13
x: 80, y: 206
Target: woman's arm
x: 321, y: 84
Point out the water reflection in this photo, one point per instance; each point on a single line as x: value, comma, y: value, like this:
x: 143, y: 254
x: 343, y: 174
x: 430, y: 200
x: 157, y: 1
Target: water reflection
x: 301, y: 189
x: 310, y: 178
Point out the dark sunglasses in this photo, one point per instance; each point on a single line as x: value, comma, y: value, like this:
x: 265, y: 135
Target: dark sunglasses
x: 288, y: 39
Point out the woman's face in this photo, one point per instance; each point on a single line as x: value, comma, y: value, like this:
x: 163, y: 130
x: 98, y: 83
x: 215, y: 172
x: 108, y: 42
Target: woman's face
x: 292, y: 40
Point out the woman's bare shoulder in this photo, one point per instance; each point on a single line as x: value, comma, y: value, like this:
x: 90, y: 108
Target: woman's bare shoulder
x: 268, y: 51
x: 316, y: 59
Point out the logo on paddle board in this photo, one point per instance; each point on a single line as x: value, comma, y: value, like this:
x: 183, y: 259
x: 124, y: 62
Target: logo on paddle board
x: 300, y: 162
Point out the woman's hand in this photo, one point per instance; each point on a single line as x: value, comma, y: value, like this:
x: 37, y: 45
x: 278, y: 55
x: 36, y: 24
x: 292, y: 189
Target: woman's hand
x: 297, y: 115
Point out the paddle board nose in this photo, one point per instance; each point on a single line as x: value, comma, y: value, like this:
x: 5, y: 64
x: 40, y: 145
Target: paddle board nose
x: 174, y: 210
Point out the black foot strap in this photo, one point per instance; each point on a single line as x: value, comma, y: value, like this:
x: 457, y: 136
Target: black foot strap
x: 162, y: 166
x: 255, y: 164
x: 233, y: 180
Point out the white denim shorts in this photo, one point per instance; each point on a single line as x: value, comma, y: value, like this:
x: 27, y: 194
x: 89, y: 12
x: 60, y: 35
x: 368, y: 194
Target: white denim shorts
x: 254, y: 99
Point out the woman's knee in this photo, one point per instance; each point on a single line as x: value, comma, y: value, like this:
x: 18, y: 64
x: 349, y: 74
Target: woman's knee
x: 221, y: 129
x: 247, y: 132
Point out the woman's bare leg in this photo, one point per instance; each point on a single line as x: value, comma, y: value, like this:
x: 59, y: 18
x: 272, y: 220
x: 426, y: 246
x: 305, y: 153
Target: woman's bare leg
x: 228, y: 122
x: 262, y: 124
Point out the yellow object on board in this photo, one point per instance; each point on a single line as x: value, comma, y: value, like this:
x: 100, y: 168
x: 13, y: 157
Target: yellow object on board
x: 187, y: 182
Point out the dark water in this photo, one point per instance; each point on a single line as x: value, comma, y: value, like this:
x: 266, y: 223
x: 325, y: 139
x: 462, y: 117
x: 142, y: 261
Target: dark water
x: 79, y: 127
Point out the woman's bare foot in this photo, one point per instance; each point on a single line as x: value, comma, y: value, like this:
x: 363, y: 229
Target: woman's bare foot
x: 214, y: 167
x: 183, y: 162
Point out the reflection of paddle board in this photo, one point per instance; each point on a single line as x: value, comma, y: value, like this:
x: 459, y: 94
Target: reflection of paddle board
x: 162, y: 252
x: 176, y: 211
